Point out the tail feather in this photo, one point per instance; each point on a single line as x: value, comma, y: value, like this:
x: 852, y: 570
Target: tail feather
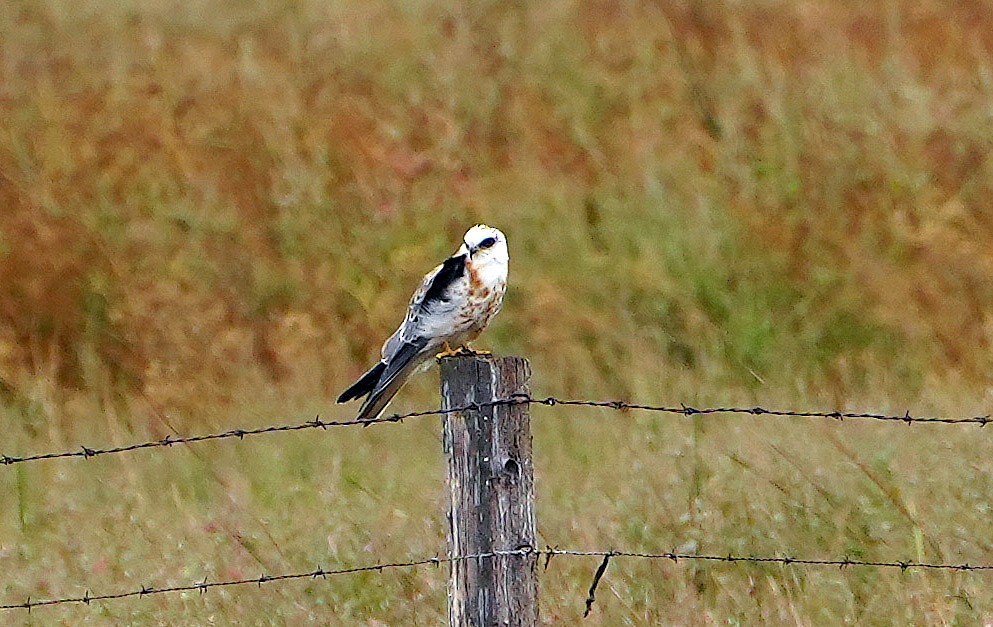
x: 394, y: 375
x: 365, y: 384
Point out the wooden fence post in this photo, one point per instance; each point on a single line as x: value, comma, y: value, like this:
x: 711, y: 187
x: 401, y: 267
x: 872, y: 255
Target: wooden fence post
x: 491, y: 493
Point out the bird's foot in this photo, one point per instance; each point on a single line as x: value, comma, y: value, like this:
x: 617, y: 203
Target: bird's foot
x: 467, y: 351
x: 463, y: 350
x: 447, y: 352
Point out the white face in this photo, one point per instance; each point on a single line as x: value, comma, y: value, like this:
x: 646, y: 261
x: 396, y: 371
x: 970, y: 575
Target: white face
x: 485, y: 245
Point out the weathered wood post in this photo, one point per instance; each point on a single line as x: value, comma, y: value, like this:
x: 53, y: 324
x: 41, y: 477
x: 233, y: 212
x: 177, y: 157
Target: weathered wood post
x: 491, y: 493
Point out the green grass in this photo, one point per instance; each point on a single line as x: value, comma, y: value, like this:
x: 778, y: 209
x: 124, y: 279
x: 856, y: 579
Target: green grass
x: 605, y: 480
x: 212, y: 213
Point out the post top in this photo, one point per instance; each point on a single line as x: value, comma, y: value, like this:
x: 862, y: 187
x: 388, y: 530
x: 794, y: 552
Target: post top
x: 480, y: 355
x: 461, y: 360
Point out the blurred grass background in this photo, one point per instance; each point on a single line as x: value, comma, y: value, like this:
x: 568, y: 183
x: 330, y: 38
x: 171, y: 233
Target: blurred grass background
x: 212, y: 213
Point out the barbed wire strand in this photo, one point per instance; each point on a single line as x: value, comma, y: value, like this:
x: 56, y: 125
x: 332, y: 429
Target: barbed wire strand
x: 87, y: 452
x: 684, y: 410
x: 674, y: 557
x: 687, y: 410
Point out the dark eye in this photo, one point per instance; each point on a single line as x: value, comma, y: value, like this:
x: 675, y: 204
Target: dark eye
x: 486, y: 243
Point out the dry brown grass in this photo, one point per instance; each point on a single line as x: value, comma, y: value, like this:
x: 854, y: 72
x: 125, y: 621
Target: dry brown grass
x: 211, y: 213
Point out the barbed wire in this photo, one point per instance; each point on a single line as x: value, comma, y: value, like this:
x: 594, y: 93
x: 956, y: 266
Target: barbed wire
x: 687, y: 410
x: 672, y: 556
x: 517, y: 399
x: 204, y: 585
x: 87, y: 452
x: 675, y: 557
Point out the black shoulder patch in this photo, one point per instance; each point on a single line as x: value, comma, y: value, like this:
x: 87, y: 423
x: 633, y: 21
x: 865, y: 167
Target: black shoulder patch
x: 451, y: 271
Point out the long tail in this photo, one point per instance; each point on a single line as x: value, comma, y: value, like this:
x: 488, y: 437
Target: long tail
x: 394, y: 375
x: 364, y: 385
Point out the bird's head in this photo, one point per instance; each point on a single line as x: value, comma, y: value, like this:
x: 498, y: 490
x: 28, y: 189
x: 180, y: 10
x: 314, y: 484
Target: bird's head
x: 485, y: 245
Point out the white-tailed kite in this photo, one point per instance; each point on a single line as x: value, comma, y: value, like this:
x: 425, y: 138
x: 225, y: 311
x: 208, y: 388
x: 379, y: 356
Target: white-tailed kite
x: 452, y: 306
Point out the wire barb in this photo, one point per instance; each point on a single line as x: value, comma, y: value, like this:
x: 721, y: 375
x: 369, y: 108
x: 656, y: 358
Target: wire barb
x: 548, y: 555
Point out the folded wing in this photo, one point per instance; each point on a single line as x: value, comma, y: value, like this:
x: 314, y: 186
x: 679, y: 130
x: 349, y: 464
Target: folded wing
x: 415, y: 341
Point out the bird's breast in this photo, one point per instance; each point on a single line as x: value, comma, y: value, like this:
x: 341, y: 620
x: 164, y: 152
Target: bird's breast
x: 485, y: 286
x: 486, y: 277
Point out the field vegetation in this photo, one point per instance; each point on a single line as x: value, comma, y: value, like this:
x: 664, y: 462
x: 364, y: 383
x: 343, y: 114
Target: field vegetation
x: 212, y: 212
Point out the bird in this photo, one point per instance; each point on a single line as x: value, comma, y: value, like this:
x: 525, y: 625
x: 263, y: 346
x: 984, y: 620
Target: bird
x: 451, y: 307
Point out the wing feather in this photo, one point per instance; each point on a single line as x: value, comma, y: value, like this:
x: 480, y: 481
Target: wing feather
x: 431, y: 293
x: 407, y: 358
x: 415, y: 340
x: 450, y: 271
